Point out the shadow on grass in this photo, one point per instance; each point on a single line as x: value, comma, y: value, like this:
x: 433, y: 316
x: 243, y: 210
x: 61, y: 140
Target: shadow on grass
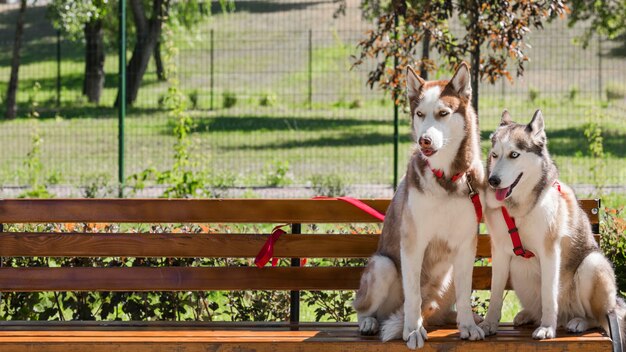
x: 86, y: 112
x: 266, y: 6
x: 271, y: 123
x: 572, y: 142
x: 563, y: 142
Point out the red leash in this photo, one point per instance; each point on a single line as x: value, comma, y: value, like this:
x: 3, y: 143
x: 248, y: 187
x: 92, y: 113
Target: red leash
x: 518, y: 248
x: 267, y: 251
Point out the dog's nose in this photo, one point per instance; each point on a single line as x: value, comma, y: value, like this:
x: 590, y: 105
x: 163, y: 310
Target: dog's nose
x: 494, y: 181
x: 425, y: 142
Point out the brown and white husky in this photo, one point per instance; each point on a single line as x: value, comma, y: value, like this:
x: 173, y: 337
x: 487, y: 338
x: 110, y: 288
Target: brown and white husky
x: 568, y: 282
x: 425, y: 256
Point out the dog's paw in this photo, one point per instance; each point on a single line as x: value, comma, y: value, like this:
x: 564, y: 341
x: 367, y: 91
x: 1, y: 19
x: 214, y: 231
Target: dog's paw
x: 416, y: 338
x: 489, y: 327
x: 369, y: 326
x: 471, y: 332
x: 544, y: 332
x: 478, y: 318
x: 578, y: 325
x: 523, y: 318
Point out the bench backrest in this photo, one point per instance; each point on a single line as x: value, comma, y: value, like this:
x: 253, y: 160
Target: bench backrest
x: 218, y: 245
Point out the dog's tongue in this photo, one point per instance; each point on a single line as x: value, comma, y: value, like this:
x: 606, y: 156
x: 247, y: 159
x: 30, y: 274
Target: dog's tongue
x: 501, y: 193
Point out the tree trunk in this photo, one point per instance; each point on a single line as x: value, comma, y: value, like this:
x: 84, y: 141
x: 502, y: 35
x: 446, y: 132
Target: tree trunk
x: 94, y: 61
x: 148, y: 34
x: 15, y: 64
x: 160, y: 69
x: 475, y: 76
x: 425, y: 54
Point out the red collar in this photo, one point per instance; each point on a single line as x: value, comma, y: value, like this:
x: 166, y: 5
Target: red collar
x: 518, y: 249
x: 473, y: 194
x: 439, y: 173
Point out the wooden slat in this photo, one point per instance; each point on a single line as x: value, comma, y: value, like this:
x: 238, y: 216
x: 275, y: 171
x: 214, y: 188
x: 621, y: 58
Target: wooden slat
x: 185, y: 210
x: 312, y: 338
x: 198, y: 210
x: 192, y: 279
x: 19, y: 244
x: 183, y: 245
x: 177, y: 279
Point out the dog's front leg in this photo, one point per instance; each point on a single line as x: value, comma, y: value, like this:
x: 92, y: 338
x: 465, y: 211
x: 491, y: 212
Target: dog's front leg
x: 412, y: 251
x: 463, y: 266
x: 550, y: 263
x: 500, y: 265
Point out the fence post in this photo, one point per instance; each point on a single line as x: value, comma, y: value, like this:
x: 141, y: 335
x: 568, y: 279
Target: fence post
x: 58, y: 68
x: 122, y: 94
x: 294, y: 302
x: 600, y: 67
x: 310, y: 69
x: 211, y: 70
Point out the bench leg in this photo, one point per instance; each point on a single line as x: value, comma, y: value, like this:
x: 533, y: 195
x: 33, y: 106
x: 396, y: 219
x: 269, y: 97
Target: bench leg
x: 615, y: 332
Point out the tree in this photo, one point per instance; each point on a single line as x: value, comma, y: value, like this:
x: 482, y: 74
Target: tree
x: 606, y: 17
x: 148, y: 36
x: 493, y: 36
x: 85, y: 19
x: 15, y: 63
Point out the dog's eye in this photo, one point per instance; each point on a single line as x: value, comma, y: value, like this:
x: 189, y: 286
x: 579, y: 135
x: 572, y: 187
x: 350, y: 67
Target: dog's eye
x: 494, y: 155
x: 419, y: 114
x: 514, y: 155
x: 443, y: 113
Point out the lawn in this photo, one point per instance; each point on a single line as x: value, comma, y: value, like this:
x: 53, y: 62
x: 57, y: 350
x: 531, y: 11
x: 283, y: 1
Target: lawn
x: 262, y: 59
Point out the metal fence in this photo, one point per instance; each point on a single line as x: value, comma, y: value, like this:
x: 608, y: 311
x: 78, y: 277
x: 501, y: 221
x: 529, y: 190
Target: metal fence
x: 275, y: 102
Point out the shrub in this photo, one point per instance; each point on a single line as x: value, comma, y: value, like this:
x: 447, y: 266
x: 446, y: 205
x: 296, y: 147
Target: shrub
x: 613, y: 243
x: 329, y: 185
x: 573, y: 92
x: 533, y: 94
x: 356, y: 104
x: 268, y: 99
x: 277, y: 174
x: 193, y: 98
x: 615, y: 92
x: 229, y: 99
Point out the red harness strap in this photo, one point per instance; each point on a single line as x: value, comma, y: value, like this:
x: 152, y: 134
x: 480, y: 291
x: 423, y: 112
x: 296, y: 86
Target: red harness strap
x: 267, y: 251
x: 518, y: 248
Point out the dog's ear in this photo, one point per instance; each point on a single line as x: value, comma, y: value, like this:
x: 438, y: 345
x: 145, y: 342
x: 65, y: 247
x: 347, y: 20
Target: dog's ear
x: 536, y: 128
x: 461, y: 82
x: 506, y: 118
x: 414, y: 83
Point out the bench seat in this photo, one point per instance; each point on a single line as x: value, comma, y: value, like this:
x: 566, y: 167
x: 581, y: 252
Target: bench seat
x: 28, y: 336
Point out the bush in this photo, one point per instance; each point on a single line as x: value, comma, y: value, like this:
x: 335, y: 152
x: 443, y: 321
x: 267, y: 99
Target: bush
x: 615, y: 92
x: 277, y: 174
x: 329, y: 185
x: 193, y: 98
x: 573, y: 92
x: 613, y: 243
x: 533, y: 94
x: 268, y: 99
x: 229, y: 99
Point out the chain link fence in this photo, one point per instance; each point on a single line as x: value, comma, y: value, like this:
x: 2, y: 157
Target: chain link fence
x: 278, y: 109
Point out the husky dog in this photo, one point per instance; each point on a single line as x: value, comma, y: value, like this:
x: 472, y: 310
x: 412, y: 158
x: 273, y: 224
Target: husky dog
x: 568, y: 282
x: 428, y: 242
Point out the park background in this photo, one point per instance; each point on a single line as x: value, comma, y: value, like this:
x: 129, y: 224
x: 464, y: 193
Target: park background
x: 261, y: 99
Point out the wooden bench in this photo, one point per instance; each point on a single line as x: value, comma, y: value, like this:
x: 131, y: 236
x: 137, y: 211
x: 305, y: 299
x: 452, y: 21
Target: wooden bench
x: 293, y: 335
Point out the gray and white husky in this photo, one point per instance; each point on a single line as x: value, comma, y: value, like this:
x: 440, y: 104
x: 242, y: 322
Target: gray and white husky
x: 426, y: 251
x: 569, y: 282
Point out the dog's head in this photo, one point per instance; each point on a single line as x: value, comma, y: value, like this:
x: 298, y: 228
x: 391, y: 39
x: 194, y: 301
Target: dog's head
x: 518, y: 155
x: 439, y: 110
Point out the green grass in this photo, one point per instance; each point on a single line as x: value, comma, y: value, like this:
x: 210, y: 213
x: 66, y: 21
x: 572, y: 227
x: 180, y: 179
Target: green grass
x: 253, y: 61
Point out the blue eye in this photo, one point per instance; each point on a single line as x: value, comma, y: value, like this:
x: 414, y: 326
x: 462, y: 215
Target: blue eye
x: 514, y: 155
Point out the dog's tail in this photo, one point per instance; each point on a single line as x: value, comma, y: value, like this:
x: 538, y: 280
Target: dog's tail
x: 392, y: 328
